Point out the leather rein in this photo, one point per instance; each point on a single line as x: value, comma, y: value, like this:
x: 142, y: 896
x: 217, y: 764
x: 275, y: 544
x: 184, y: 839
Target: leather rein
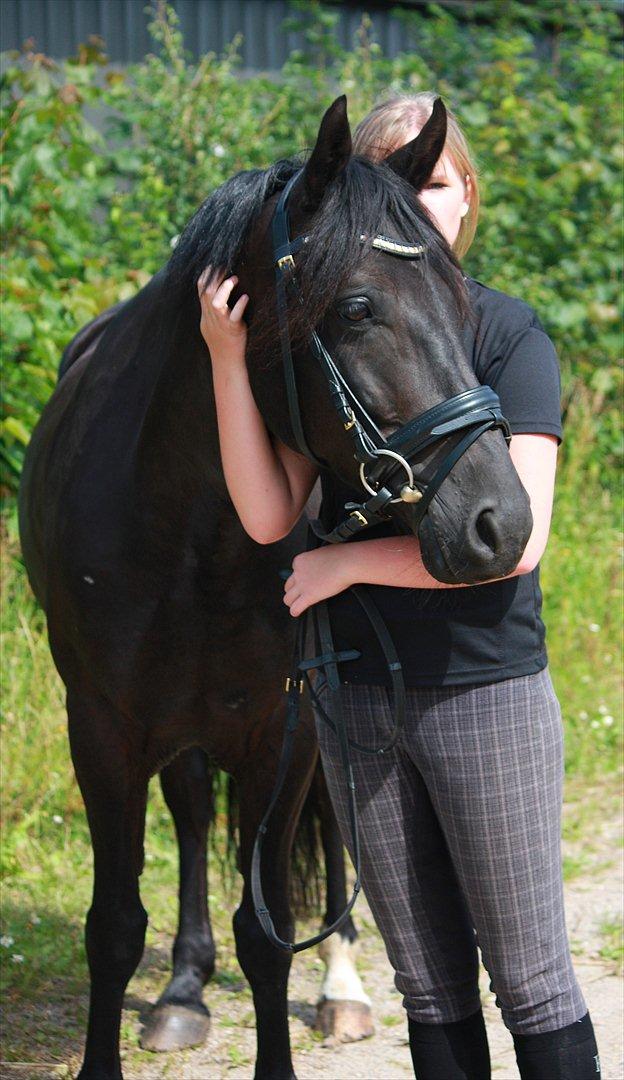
x: 472, y: 411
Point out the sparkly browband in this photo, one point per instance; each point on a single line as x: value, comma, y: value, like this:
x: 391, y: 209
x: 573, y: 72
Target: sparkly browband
x: 384, y: 243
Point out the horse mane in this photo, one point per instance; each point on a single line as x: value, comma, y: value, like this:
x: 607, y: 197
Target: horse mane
x: 365, y: 198
x: 218, y: 229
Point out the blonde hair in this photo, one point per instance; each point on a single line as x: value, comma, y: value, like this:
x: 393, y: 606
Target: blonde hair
x: 386, y: 127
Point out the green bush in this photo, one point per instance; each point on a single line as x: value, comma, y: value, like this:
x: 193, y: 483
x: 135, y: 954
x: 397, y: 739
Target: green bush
x: 88, y: 218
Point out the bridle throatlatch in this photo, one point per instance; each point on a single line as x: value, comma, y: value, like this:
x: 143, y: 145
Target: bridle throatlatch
x: 387, y: 478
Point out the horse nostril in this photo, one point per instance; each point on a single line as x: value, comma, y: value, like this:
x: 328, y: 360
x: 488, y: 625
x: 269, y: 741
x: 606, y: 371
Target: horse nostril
x: 487, y: 531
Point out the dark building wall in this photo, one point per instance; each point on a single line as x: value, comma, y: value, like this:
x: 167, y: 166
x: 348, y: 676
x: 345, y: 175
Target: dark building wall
x: 58, y: 26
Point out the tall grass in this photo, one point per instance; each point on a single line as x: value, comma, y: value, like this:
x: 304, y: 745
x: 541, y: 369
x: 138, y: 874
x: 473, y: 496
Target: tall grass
x: 582, y: 586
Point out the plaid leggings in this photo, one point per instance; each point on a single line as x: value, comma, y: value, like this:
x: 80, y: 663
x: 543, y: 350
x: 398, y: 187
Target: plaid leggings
x: 460, y: 832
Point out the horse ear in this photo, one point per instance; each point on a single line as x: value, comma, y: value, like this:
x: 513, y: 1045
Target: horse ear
x: 329, y: 157
x: 417, y: 159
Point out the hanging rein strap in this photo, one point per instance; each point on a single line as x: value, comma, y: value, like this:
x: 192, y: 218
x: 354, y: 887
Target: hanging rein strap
x: 294, y: 687
x: 328, y: 661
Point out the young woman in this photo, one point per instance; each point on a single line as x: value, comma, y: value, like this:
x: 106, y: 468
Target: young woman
x: 460, y: 825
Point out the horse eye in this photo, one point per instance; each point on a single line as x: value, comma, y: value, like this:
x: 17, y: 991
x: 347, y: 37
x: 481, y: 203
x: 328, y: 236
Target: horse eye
x: 354, y: 310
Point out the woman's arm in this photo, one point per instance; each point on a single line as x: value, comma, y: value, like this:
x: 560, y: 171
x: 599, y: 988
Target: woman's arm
x: 398, y: 561
x: 268, y: 482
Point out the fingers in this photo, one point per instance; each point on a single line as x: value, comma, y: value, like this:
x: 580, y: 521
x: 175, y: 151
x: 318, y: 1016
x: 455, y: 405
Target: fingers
x: 238, y: 309
x: 211, y: 288
x: 221, y: 296
x: 217, y: 293
x: 295, y: 606
x: 203, y: 279
x: 294, y: 596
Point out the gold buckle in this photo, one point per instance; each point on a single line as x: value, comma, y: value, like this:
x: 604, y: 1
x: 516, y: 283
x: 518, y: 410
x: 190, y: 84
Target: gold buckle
x: 351, y: 422
x: 289, y: 683
x: 359, y: 516
x: 286, y: 260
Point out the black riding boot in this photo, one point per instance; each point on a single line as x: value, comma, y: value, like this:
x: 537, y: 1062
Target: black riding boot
x: 456, y: 1051
x: 570, y: 1053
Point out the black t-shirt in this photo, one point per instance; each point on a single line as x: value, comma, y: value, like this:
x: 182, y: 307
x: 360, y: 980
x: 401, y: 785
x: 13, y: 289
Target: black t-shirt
x: 480, y: 633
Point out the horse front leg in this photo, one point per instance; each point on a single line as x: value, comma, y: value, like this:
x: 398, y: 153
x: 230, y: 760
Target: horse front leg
x: 266, y: 966
x: 114, y: 789
x: 180, y: 1018
x: 343, y: 1009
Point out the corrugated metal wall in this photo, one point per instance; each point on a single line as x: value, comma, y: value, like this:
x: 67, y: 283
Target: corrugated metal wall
x: 58, y: 26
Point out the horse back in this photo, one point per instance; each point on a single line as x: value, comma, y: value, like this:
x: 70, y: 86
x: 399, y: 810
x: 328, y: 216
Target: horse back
x: 63, y: 449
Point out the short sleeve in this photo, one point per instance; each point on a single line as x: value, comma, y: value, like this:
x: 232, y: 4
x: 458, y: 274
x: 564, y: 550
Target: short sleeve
x: 527, y: 379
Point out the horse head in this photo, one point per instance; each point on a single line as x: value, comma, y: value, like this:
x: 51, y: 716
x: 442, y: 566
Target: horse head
x: 378, y: 285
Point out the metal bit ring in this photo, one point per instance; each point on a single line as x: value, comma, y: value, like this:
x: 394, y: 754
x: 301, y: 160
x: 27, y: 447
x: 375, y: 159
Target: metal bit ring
x: 402, y: 461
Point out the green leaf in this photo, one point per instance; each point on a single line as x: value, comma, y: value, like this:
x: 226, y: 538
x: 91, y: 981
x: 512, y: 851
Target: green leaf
x: 567, y: 228
x: 15, y: 428
x: 45, y: 156
x: 18, y: 324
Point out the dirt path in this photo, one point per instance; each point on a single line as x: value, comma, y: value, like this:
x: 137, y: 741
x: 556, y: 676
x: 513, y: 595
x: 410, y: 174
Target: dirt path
x: 595, y: 896
x: 590, y: 899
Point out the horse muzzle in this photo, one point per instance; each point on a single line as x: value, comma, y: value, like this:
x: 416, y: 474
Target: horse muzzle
x: 480, y: 544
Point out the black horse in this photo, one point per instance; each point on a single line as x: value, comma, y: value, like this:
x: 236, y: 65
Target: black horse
x: 165, y: 620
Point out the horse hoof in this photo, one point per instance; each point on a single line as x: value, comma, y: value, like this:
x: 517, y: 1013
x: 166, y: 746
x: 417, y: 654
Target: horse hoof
x: 347, y: 1021
x: 174, y: 1027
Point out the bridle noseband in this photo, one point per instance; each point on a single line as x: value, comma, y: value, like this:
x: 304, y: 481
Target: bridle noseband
x: 473, y: 412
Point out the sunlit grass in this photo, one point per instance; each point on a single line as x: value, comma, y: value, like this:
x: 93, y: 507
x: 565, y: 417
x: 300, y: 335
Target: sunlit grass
x: 612, y: 933
x: 581, y: 579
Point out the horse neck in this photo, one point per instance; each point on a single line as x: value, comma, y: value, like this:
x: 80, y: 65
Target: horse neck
x: 178, y: 445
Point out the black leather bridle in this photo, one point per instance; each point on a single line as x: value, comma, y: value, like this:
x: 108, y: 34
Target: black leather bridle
x: 473, y: 412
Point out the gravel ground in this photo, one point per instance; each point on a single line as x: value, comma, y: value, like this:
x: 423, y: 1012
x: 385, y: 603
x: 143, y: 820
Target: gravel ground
x: 591, y: 898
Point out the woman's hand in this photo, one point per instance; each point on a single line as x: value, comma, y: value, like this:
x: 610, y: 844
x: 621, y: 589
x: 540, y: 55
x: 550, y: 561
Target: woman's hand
x: 223, y: 330
x: 315, y: 576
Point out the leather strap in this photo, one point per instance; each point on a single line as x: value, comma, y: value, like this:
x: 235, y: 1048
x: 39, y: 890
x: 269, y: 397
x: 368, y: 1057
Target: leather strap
x: 361, y: 517
x: 283, y: 265
x: 328, y: 661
